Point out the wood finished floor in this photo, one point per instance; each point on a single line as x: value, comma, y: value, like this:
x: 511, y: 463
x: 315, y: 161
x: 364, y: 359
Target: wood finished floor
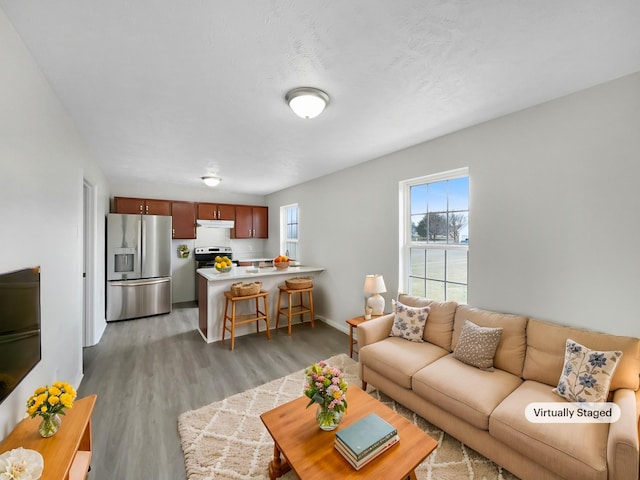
x: 148, y: 371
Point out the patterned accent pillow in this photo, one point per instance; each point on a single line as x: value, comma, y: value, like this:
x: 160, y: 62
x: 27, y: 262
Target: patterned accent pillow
x: 477, y: 345
x: 587, y: 373
x: 409, y: 322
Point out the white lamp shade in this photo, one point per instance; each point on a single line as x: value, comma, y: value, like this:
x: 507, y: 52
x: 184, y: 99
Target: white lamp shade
x: 307, y: 102
x: 375, y: 284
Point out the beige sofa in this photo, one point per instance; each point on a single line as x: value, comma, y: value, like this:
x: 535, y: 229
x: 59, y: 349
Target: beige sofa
x: 486, y: 409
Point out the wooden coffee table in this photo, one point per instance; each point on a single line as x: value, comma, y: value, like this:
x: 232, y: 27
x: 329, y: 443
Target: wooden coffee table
x: 299, y: 444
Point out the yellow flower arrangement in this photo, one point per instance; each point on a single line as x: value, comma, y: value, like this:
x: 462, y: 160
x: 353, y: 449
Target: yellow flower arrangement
x: 51, y: 400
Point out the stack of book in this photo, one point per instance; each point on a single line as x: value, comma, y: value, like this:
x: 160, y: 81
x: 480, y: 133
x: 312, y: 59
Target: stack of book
x: 365, y: 440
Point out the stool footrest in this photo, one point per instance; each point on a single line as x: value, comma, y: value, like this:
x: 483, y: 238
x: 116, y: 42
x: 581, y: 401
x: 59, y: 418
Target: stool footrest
x: 241, y: 319
x: 295, y: 310
x: 292, y: 309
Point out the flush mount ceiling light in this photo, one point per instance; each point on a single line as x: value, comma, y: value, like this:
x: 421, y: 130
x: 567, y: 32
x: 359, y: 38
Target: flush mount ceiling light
x: 307, y: 102
x: 211, y: 181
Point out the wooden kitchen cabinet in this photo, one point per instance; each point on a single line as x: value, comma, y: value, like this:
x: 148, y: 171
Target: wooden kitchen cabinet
x: 216, y: 211
x: 141, y: 206
x: 183, y: 217
x: 251, y: 222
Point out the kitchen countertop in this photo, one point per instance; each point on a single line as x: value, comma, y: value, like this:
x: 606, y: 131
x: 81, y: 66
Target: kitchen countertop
x: 238, y: 273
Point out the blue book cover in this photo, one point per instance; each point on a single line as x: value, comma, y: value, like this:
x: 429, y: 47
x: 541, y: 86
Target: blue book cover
x: 366, y: 434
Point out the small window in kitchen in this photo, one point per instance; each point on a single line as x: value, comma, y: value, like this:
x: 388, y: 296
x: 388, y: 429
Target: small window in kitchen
x: 435, y: 233
x: 289, y: 218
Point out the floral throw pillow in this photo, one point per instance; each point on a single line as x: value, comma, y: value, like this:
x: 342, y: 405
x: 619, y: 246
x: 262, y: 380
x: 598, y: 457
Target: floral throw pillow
x: 477, y: 345
x: 587, y: 373
x: 409, y: 322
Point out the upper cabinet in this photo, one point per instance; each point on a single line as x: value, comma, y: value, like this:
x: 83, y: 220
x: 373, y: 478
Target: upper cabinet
x: 251, y: 222
x: 184, y: 220
x: 216, y: 211
x: 141, y: 206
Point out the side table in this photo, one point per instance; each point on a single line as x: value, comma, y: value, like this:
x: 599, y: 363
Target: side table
x: 353, y: 323
x: 67, y: 455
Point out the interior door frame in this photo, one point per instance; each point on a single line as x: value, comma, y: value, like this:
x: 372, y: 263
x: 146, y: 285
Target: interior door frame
x: 88, y: 255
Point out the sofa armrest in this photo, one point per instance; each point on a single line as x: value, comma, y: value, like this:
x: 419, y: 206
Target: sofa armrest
x: 374, y: 330
x: 622, y: 445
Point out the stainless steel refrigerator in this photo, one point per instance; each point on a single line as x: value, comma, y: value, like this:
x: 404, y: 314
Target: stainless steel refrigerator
x: 138, y: 265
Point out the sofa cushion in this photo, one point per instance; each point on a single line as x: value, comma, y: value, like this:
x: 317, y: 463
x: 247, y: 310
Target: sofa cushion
x: 587, y: 373
x: 546, y: 344
x: 398, y: 359
x: 409, y: 322
x: 512, y: 347
x: 555, y: 444
x: 462, y: 390
x: 439, y: 327
x: 477, y: 345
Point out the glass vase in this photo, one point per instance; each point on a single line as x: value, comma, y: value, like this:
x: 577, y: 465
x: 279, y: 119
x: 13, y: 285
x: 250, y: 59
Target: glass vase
x: 328, y: 419
x: 50, y: 425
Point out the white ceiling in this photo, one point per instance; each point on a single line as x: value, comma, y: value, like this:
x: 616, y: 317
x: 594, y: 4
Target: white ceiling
x: 167, y: 91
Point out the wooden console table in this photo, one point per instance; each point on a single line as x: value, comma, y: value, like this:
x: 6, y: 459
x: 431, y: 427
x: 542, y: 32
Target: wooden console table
x: 67, y: 454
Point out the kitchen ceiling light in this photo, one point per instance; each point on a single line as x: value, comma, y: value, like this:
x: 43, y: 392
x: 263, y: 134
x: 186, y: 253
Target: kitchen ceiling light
x: 307, y: 102
x: 211, y: 181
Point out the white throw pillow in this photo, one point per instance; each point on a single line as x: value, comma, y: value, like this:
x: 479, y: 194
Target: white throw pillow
x: 409, y: 322
x: 586, y: 375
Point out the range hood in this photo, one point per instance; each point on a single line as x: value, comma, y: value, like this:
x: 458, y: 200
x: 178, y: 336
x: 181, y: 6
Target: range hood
x: 215, y: 223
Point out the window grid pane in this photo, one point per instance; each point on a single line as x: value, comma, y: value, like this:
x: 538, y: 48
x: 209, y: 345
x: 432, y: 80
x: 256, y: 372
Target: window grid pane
x: 289, y: 231
x: 417, y: 286
x: 439, y: 238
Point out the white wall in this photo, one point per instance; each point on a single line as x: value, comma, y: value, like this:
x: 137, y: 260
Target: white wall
x: 42, y: 164
x: 554, y: 213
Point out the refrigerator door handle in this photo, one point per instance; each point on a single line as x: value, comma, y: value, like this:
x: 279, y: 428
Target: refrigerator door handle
x: 135, y: 283
x: 143, y: 231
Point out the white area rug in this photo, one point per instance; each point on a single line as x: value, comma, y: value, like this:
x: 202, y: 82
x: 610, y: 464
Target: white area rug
x: 227, y: 440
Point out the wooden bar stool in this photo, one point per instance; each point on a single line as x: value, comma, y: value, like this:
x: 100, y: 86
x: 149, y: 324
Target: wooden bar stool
x: 299, y: 308
x: 240, y: 319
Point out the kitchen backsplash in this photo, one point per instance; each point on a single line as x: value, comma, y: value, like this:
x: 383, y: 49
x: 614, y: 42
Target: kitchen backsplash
x: 212, y: 237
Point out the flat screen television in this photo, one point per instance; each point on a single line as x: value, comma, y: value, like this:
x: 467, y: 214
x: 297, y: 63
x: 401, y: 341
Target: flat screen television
x: 20, y: 348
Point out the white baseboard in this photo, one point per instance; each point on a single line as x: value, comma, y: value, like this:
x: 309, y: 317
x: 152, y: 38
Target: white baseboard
x: 341, y: 326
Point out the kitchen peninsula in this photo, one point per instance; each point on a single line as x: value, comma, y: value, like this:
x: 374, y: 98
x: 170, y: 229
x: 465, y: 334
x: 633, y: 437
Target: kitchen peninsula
x: 212, y: 285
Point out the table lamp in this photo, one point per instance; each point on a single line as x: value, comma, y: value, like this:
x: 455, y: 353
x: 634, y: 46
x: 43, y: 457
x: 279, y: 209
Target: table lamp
x: 375, y: 284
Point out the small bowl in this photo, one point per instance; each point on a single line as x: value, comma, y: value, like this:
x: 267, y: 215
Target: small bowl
x: 224, y: 269
x: 281, y: 265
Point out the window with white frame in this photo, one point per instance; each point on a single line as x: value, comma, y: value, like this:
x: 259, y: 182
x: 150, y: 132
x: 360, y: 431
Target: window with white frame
x: 435, y: 236
x: 289, y: 217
